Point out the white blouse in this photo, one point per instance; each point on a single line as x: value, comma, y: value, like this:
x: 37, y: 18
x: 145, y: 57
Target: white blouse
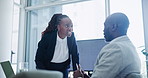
x: 61, y: 50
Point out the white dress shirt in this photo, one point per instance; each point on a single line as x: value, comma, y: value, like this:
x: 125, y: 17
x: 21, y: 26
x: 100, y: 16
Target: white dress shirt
x: 61, y: 50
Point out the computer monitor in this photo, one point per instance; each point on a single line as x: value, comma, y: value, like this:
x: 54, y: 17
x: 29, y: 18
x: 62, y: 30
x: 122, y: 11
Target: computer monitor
x: 88, y: 52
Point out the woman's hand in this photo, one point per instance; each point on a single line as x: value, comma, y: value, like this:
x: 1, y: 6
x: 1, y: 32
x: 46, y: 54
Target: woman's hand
x: 78, y: 73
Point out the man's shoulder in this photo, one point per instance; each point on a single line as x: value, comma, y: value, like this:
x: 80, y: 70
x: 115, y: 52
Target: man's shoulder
x: 112, y: 45
x: 111, y: 48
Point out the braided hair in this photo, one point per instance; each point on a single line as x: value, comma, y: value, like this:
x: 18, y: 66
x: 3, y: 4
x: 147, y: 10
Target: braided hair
x: 54, y: 22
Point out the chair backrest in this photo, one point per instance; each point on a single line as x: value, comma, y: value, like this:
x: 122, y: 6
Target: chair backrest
x: 39, y: 74
x: 7, y: 68
x: 134, y: 75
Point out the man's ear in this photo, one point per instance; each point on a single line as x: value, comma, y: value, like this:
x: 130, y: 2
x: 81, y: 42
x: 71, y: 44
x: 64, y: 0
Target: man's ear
x: 114, y: 27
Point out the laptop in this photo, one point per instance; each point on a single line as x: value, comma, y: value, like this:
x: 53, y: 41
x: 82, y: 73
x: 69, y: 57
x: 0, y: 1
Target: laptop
x: 7, y: 68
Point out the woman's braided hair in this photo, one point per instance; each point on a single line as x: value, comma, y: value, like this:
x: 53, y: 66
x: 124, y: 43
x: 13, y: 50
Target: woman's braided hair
x: 54, y: 22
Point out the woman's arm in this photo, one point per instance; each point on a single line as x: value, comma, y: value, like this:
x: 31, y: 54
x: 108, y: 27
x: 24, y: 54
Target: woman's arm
x: 75, y: 54
x: 39, y: 58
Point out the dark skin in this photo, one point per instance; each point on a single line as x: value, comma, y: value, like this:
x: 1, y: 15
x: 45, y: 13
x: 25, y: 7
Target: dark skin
x: 65, y: 28
x: 80, y: 73
x: 114, y: 26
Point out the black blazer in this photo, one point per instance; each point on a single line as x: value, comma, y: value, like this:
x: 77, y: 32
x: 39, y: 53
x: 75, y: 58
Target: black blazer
x: 46, y: 47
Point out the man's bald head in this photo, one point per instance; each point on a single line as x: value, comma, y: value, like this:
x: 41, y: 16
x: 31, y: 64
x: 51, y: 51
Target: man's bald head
x: 118, y: 19
x: 116, y: 25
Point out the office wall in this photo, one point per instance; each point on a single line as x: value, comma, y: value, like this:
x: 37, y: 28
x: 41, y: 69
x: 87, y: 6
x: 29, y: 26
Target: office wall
x: 6, y: 9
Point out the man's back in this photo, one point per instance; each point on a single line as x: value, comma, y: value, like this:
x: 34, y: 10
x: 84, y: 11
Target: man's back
x: 117, y: 59
x: 131, y: 61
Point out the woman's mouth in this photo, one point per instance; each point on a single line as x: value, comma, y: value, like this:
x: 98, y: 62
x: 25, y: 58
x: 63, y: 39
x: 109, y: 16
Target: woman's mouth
x: 69, y: 34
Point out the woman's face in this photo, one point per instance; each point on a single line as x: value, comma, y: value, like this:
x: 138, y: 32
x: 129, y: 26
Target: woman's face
x: 65, y: 27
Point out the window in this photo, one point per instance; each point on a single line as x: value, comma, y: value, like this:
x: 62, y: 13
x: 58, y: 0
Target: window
x: 14, y: 44
x: 17, y: 1
x: 88, y: 18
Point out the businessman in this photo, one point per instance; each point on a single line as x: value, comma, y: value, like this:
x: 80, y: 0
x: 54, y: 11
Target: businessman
x: 119, y: 58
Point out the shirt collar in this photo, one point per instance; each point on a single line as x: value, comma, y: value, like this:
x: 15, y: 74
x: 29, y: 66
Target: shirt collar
x: 121, y: 38
x: 60, y: 39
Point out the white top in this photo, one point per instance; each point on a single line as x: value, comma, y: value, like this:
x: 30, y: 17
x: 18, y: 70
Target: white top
x: 61, y: 50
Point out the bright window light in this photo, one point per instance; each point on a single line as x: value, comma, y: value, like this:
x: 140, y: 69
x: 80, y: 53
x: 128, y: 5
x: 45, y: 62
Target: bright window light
x: 88, y: 18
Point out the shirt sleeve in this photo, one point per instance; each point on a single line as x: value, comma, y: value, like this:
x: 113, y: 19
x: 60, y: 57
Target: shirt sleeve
x: 39, y: 58
x: 75, y: 54
x: 108, y: 63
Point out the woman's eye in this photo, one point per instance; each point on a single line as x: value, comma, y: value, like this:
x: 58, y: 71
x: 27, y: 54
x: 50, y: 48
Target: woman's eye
x: 67, y: 26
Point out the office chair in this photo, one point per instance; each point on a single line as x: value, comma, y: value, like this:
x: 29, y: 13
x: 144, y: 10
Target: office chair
x: 134, y: 75
x: 7, y: 68
x: 39, y: 74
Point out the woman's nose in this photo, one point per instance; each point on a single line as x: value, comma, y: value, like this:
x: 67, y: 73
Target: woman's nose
x: 70, y: 28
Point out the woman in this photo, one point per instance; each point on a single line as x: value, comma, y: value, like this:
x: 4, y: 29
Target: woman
x: 57, y: 46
